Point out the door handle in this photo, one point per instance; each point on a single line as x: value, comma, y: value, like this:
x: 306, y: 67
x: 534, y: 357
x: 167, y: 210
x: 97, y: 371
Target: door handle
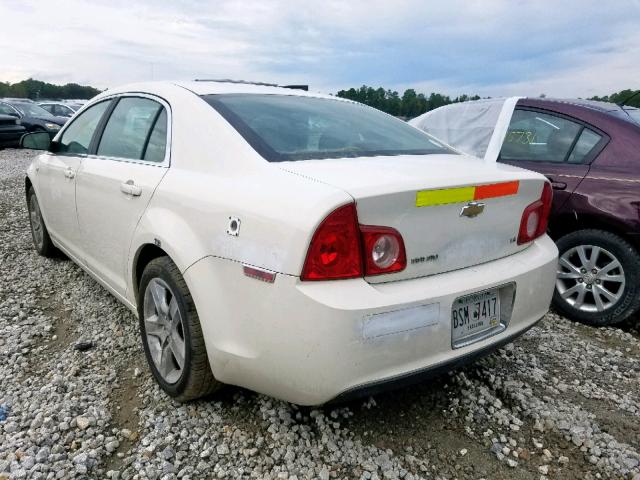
x: 557, y: 185
x: 130, y: 188
x: 69, y: 173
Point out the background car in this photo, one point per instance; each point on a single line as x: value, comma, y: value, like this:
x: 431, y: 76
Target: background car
x: 33, y: 117
x: 60, y: 109
x: 10, y: 131
x: 590, y: 151
x: 300, y: 245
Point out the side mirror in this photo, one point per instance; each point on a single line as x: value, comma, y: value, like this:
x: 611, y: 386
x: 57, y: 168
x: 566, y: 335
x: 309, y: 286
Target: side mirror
x: 36, y: 141
x: 14, y: 114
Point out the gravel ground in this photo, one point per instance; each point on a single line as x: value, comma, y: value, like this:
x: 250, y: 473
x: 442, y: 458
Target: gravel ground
x: 561, y: 402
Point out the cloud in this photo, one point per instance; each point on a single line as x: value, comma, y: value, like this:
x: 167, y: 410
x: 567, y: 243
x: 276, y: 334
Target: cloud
x: 492, y: 47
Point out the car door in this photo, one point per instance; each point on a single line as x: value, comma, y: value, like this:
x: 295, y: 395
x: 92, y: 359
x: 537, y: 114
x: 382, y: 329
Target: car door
x: 56, y: 177
x: 556, y: 146
x: 115, y: 185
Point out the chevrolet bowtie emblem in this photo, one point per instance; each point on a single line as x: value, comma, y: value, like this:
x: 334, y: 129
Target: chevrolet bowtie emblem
x: 472, y: 209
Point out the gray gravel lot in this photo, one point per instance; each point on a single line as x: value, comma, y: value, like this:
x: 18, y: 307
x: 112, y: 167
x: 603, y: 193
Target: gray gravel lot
x: 561, y: 402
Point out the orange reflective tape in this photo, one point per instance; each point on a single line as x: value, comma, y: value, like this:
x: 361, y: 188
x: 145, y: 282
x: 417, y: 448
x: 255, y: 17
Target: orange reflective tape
x: 496, y: 190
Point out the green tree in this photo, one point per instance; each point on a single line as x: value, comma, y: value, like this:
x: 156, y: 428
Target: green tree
x: 36, y: 89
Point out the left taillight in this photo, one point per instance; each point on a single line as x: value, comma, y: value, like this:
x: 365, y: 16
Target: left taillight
x: 536, y: 217
x: 341, y: 248
x: 334, y: 252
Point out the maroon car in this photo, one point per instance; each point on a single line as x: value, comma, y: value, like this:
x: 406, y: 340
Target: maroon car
x: 590, y: 151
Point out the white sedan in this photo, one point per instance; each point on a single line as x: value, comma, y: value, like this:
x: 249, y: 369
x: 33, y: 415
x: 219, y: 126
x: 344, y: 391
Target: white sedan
x: 296, y: 244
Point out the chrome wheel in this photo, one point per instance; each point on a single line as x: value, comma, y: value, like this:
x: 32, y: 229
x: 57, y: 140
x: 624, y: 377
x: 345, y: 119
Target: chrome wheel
x: 35, y: 217
x: 590, y: 278
x: 164, y: 330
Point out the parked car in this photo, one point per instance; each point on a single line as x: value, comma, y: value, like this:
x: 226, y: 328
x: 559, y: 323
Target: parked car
x: 590, y: 151
x: 300, y: 245
x: 32, y: 117
x: 10, y: 131
x: 60, y: 109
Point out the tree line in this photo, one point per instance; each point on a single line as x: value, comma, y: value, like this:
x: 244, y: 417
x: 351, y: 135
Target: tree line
x: 36, y: 89
x: 629, y: 97
x: 412, y: 104
x: 409, y: 105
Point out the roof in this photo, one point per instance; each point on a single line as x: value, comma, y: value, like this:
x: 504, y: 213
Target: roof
x: 210, y: 87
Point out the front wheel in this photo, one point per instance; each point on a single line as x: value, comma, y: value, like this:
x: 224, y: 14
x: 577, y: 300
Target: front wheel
x: 39, y: 233
x: 171, y: 333
x: 598, y: 281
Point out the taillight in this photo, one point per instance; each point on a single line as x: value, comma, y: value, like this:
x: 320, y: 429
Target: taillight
x: 536, y: 217
x: 334, y: 251
x: 383, y: 250
x: 340, y: 248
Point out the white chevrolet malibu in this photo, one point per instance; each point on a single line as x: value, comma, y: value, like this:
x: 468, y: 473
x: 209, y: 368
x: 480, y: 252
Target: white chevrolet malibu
x: 300, y: 245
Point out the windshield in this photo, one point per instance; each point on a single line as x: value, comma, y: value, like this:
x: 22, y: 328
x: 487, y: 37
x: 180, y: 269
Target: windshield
x: 32, y: 110
x: 290, y: 127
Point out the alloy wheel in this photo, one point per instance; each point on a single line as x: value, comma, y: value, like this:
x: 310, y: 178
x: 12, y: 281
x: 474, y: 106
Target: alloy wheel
x: 35, y: 217
x: 164, y: 330
x: 590, y: 278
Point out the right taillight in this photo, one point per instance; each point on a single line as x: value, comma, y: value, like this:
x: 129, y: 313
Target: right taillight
x: 536, y: 217
x: 383, y: 250
x: 341, y: 248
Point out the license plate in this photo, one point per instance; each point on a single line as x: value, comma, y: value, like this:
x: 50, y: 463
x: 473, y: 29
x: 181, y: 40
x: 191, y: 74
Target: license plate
x: 474, y: 314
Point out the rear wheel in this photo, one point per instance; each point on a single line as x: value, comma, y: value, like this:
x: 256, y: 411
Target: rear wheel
x: 171, y: 333
x: 598, y: 278
x: 39, y: 233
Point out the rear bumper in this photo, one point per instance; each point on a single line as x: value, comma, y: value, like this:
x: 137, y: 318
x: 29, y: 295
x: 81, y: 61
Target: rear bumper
x: 310, y: 342
x: 412, y: 378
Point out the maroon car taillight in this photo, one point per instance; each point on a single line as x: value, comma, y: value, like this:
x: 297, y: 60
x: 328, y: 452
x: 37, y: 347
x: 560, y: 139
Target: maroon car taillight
x: 340, y: 248
x: 536, y: 217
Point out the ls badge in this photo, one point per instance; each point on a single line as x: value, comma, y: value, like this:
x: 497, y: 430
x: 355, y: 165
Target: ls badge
x: 472, y: 209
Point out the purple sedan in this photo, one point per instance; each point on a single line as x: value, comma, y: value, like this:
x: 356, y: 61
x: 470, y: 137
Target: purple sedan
x: 590, y: 151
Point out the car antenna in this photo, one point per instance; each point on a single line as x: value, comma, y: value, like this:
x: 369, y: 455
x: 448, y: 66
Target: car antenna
x: 622, y: 103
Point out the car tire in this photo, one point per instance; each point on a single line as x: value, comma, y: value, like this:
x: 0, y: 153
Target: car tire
x: 611, y: 290
x: 39, y: 233
x: 171, y: 333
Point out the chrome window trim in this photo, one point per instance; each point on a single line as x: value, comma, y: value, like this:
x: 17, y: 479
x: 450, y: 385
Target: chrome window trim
x: 166, y: 163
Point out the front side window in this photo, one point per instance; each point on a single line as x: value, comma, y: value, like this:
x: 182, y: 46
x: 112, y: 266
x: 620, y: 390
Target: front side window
x: 538, y: 137
x: 48, y: 108
x: 76, y: 139
x: 291, y: 127
x: 129, y: 129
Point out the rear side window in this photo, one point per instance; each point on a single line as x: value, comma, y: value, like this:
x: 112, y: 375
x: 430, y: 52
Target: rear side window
x: 129, y: 129
x: 585, y: 144
x: 158, y: 140
x: 292, y: 127
x: 538, y: 137
x: 77, y: 137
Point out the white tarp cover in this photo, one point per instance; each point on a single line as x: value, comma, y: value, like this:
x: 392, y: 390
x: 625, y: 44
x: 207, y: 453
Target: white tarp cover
x: 476, y: 128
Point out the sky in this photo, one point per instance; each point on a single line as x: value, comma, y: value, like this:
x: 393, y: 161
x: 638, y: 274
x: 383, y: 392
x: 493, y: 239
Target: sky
x: 569, y: 48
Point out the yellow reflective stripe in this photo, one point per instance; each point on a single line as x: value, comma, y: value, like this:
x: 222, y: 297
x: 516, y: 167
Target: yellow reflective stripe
x: 425, y: 198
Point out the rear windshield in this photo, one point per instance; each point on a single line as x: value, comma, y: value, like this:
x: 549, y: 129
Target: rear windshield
x: 289, y: 127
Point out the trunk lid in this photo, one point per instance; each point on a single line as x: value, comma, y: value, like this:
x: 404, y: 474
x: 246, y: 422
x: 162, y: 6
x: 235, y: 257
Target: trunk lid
x: 422, y: 197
